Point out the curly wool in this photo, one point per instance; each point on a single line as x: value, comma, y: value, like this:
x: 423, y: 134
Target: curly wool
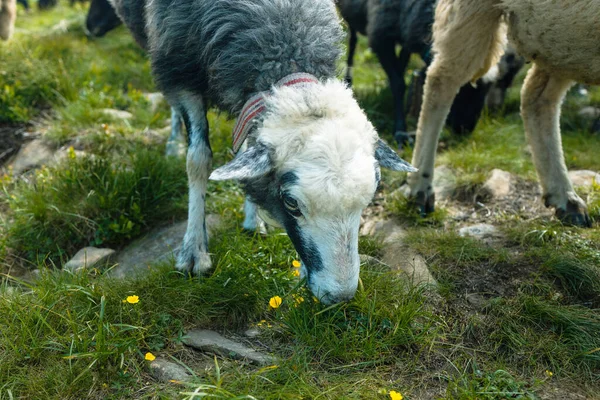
x: 229, y: 50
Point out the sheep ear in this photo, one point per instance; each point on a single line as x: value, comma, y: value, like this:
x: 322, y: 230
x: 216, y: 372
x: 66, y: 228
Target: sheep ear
x: 252, y: 163
x: 388, y: 158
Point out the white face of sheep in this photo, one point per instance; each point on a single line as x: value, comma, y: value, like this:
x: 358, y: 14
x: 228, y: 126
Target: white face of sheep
x: 315, y: 182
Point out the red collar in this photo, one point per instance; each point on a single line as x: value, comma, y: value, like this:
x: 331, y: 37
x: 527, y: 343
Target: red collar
x: 255, y: 106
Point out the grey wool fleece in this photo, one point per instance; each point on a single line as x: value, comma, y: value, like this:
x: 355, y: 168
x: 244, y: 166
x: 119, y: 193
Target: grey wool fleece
x: 228, y: 50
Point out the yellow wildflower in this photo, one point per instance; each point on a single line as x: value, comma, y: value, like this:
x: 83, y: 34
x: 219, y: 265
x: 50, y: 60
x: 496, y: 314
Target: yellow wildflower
x: 549, y: 373
x: 71, y: 152
x: 133, y: 299
x: 395, y: 395
x: 149, y: 357
x: 275, y: 302
x: 296, y: 272
x: 296, y: 264
x: 298, y: 299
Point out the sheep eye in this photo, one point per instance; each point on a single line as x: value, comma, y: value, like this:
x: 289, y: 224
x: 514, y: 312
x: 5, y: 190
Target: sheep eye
x: 291, y: 205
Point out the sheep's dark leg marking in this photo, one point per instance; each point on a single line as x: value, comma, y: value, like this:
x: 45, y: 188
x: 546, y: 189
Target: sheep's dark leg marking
x: 193, y: 257
x: 351, y: 49
x: 176, y: 142
x: 541, y: 97
x: 394, y: 68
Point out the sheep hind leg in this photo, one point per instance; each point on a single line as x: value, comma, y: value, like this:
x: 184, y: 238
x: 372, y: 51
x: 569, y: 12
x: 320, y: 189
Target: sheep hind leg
x: 176, y: 143
x: 541, y: 97
x: 193, y: 256
x: 465, y: 45
x: 351, y: 50
x: 394, y: 68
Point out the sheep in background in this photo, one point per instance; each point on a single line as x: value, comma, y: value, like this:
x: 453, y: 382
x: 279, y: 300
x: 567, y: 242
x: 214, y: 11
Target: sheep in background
x: 24, y: 3
x: 468, y: 37
x: 408, y: 23
x: 8, y: 15
x: 312, y: 159
x: 101, y: 19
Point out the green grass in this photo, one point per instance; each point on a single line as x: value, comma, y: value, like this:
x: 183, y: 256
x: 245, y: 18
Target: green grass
x: 91, y: 201
x: 515, y: 318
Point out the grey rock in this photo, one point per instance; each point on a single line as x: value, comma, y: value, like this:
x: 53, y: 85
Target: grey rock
x: 498, y: 184
x: 252, y: 332
x: 444, y: 183
x: 584, y: 177
x: 32, y: 155
x: 476, y: 300
x: 399, y: 256
x: 89, y: 257
x: 589, y: 112
x: 480, y: 231
x: 64, y: 153
x: 166, y: 371
x: 155, y: 99
x: 158, y: 245
x: 213, y: 342
x: 116, y: 114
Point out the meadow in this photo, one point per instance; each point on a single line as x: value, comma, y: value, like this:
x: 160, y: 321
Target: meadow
x: 513, y: 317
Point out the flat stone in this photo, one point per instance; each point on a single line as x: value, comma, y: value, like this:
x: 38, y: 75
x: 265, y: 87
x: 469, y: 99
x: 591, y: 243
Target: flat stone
x: 252, y: 332
x: 167, y: 371
x: 213, y: 342
x: 498, y: 184
x: 479, y: 231
x: 116, y: 114
x: 155, y: 99
x: 159, y: 245
x: 584, y: 177
x: 89, y: 257
x: 589, y: 112
x: 32, y: 155
x: 444, y: 182
x: 399, y: 256
x: 476, y: 300
x: 63, y: 153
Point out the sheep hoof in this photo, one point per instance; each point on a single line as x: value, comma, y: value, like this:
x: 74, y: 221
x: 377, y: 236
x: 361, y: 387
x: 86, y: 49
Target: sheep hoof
x: 425, y: 203
x: 403, y: 139
x: 575, y: 214
x: 193, y: 263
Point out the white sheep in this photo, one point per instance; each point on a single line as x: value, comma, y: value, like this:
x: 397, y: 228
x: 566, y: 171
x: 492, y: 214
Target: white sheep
x: 312, y: 159
x: 560, y: 38
x: 8, y: 14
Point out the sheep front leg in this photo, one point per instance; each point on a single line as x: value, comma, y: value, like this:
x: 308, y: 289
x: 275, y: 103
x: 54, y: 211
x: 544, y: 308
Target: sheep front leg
x: 541, y: 98
x: 193, y: 257
x: 468, y: 38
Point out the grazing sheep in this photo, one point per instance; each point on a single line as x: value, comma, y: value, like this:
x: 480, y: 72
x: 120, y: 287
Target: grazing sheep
x: 560, y: 39
x: 8, y: 14
x: 407, y: 23
x: 312, y: 159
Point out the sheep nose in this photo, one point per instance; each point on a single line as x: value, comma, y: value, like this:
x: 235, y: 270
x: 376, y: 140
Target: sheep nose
x: 339, y: 297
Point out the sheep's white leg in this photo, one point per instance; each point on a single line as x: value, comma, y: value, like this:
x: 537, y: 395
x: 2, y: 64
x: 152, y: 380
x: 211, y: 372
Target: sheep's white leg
x: 468, y: 39
x: 541, y: 98
x: 176, y: 142
x: 193, y: 257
